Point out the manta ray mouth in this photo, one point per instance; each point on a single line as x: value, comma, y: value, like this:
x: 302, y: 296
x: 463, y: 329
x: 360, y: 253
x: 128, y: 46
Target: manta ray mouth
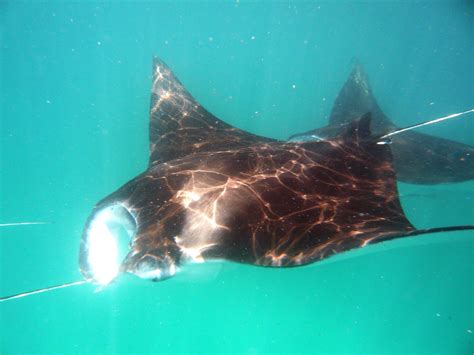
x: 106, y: 243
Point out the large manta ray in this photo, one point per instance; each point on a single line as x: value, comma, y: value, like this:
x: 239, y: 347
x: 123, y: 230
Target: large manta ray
x: 213, y: 191
x: 419, y: 158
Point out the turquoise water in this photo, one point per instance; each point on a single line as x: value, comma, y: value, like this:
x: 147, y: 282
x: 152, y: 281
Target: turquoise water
x: 75, y: 82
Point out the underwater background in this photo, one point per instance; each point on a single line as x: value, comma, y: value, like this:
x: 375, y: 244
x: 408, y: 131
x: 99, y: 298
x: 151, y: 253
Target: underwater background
x: 74, y: 97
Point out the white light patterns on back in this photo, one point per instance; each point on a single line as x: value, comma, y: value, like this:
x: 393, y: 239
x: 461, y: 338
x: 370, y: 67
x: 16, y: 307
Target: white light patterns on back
x: 106, y: 249
x: 307, y: 138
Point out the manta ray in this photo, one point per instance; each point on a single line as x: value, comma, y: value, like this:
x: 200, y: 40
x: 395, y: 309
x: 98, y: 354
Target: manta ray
x: 418, y: 158
x: 212, y: 191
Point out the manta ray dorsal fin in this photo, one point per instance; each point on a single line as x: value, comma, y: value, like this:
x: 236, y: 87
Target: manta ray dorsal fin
x: 180, y: 126
x: 355, y: 99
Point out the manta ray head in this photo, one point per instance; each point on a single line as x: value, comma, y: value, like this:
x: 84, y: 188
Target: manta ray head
x: 121, y: 237
x: 106, y: 242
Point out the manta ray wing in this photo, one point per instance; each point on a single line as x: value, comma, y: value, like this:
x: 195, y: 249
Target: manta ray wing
x: 419, y: 158
x: 180, y: 126
x: 355, y: 99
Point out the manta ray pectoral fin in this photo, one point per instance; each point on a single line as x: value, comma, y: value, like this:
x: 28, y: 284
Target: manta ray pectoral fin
x: 355, y: 99
x: 424, y: 159
x: 419, y: 158
x: 180, y: 126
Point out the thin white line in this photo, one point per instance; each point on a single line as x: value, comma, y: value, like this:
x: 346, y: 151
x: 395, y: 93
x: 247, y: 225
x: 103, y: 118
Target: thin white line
x: 426, y: 123
x: 29, y: 293
x: 22, y: 224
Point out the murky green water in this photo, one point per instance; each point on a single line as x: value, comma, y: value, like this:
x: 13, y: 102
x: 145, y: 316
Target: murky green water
x: 75, y: 82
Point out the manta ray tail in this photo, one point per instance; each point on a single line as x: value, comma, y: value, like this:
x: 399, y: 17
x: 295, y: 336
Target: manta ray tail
x: 440, y: 230
x: 417, y: 232
x: 419, y: 158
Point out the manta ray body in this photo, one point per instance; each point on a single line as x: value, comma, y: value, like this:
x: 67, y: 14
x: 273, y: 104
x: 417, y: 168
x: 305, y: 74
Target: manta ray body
x: 213, y: 191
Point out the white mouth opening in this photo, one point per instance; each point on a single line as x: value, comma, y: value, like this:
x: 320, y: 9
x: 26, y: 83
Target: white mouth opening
x: 108, y: 242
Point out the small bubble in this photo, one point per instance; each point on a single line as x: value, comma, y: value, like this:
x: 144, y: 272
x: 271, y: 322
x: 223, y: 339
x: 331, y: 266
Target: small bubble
x: 252, y: 38
x: 293, y: 86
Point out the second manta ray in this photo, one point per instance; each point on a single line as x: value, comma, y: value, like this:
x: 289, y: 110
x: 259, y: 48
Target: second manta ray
x: 213, y: 191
